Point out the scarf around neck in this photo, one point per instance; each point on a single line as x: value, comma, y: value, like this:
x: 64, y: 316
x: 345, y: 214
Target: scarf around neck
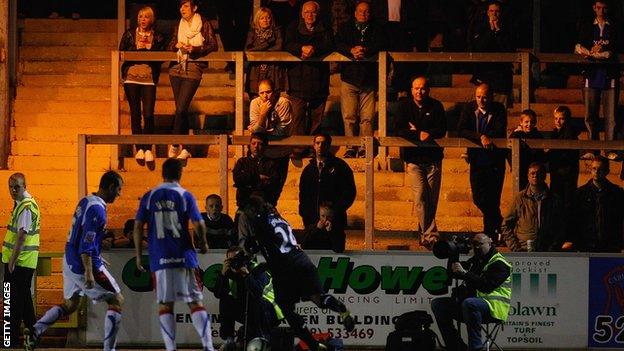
x: 189, y: 34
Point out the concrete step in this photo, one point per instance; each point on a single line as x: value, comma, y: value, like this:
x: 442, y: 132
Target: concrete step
x: 60, y: 120
x: 209, y: 106
x: 64, y: 93
x: 63, y: 134
x: 73, y: 39
x: 74, y: 110
x: 68, y: 79
x: 65, y: 53
x: 48, y: 148
x: 101, y: 66
x: 56, y: 163
x: 68, y: 25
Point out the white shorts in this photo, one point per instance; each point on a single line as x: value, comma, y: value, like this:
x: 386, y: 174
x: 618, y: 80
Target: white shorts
x: 105, y: 285
x: 178, y: 284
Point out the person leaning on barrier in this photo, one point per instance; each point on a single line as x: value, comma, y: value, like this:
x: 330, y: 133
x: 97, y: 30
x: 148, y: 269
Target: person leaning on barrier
x: 597, y: 220
x: 245, y: 292
x: 20, y: 253
x: 422, y: 118
x: 535, y: 216
x: 481, y: 120
x: 484, y: 297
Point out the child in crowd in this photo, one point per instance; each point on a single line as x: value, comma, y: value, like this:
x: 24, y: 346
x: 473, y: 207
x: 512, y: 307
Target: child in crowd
x: 220, y: 227
x: 324, y: 235
x: 563, y: 164
x: 527, y: 129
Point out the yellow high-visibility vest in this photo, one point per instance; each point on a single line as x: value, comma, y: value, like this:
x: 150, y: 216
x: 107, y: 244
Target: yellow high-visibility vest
x: 30, y: 251
x: 499, y: 300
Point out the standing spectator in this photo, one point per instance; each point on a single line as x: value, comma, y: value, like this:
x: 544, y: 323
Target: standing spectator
x: 599, y: 42
x: 255, y: 173
x: 527, y: 129
x: 597, y: 212
x: 271, y: 113
x: 167, y: 210
x: 192, y: 38
x: 220, y: 231
x: 563, y: 164
x: 84, y: 272
x: 324, y: 235
x: 233, y: 25
x: 308, y: 82
x: 265, y: 36
x: 20, y: 253
x: 492, y: 34
x: 325, y: 179
x: 422, y: 119
x: 141, y: 78
x: 359, y: 40
x: 481, y: 120
x: 535, y: 215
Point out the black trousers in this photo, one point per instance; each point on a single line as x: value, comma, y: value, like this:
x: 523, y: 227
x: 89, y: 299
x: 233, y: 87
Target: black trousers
x: 138, y: 96
x: 260, y: 317
x: 21, y: 307
x: 486, y: 183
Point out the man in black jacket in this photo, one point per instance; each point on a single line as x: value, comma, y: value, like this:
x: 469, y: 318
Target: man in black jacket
x: 308, y: 81
x: 359, y: 40
x: 480, y: 121
x: 598, y: 224
x: 422, y: 118
x: 325, y: 179
x: 256, y: 174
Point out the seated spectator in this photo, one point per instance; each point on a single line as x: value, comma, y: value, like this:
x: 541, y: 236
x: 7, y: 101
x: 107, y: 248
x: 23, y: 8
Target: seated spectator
x: 264, y: 36
x: 220, y: 231
x: 563, y: 164
x: 255, y: 173
x: 534, y: 216
x: 359, y: 39
x: 493, y: 34
x: 527, y: 129
x: 323, y: 235
x: 126, y: 241
x: 597, y: 221
x: 271, y: 113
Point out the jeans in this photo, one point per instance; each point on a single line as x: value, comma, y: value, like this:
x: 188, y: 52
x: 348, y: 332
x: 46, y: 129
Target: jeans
x: 22, y: 308
x: 356, y: 103
x: 593, y: 97
x: 474, y: 312
x: 486, y: 183
x: 425, y: 179
x: 183, y: 92
x: 138, y: 94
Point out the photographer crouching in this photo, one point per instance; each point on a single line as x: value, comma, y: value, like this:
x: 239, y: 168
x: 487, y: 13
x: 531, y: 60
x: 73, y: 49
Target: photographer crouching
x: 245, y: 292
x: 483, y: 297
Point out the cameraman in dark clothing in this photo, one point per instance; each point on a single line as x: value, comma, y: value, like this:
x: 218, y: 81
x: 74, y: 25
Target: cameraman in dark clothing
x: 245, y: 292
x: 483, y: 298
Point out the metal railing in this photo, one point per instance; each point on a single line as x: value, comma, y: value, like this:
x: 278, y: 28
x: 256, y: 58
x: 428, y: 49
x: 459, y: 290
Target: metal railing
x: 369, y: 216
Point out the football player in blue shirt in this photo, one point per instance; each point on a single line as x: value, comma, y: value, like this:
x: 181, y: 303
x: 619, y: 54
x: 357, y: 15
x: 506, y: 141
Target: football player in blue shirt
x: 167, y: 210
x: 262, y: 229
x: 84, y: 273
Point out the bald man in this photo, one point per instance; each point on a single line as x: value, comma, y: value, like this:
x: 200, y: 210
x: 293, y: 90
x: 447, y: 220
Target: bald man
x: 487, y: 277
x: 481, y: 121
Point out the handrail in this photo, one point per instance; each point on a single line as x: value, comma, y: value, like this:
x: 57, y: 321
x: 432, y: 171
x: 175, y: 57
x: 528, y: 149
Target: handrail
x: 224, y: 141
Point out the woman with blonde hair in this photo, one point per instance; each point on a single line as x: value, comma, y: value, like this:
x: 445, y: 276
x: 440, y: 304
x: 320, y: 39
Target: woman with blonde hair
x: 140, y: 78
x: 264, y: 36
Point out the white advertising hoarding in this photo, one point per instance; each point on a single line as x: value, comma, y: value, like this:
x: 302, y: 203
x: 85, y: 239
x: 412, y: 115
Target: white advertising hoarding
x: 549, y: 302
